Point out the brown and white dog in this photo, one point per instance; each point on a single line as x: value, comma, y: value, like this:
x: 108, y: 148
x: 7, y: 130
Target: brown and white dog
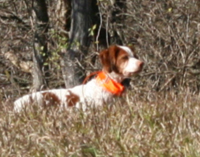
x: 118, y: 63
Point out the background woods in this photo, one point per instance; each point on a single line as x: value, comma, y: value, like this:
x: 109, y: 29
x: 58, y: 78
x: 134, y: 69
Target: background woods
x: 55, y: 33
x: 45, y: 42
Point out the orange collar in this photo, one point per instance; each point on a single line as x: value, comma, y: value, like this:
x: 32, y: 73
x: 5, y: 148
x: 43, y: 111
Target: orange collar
x: 109, y: 84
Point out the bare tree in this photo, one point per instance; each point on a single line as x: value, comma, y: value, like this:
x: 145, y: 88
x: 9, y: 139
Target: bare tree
x: 79, y: 41
x: 40, y: 52
x: 83, y: 15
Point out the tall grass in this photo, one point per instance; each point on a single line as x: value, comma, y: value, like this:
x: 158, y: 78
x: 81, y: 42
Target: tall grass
x: 157, y: 124
x: 160, y: 118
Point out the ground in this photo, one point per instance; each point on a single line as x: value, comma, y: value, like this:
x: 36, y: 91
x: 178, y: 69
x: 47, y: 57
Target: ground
x: 150, y: 124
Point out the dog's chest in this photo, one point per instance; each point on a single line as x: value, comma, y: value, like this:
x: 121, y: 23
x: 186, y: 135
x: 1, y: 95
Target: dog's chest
x: 92, y: 93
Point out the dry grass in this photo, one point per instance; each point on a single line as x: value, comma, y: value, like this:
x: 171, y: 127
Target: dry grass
x: 157, y: 124
x: 159, y: 118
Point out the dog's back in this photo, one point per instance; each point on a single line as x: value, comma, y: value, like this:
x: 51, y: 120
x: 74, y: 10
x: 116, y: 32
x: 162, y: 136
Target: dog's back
x: 118, y: 63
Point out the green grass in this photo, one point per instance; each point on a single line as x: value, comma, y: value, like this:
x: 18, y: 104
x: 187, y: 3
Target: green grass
x: 152, y: 125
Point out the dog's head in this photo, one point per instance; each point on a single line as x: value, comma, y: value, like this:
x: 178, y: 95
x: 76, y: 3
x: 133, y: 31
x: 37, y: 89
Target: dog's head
x: 120, y: 60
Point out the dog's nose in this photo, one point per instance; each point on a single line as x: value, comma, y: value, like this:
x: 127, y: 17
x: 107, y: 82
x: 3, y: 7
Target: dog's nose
x: 140, y: 64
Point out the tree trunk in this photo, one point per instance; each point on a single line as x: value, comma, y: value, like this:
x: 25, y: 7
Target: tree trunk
x: 40, y: 54
x: 63, y: 10
x: 79, y: 42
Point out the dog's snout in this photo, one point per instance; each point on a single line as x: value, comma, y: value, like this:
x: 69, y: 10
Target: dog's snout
x: 140, y: 64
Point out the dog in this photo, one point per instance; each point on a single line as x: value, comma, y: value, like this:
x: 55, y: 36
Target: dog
x: 119, y: 63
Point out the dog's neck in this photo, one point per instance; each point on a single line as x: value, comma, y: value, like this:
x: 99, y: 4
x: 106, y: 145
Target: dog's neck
x: 114, y: 76
x: 110, y: 82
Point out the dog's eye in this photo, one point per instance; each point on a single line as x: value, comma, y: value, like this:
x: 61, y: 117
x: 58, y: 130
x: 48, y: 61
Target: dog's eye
x: 125, y: 57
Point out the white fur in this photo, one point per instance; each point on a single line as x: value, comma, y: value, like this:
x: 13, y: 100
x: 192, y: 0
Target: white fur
x: 133, y: 65
x: 86, y: 93
x: 90, y: 94
x: 127, y: 49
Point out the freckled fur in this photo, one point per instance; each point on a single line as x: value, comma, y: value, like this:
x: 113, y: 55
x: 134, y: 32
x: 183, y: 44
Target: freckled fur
x: 72, y: 99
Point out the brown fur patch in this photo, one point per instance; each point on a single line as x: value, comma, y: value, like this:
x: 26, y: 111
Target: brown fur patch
x: 50, y: 99
x: 72, y: 99
x: 113, y: 59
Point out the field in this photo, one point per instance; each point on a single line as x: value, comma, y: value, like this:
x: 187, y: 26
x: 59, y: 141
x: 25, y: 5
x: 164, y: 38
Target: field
x: 137, y: 125
x: 159, y: 116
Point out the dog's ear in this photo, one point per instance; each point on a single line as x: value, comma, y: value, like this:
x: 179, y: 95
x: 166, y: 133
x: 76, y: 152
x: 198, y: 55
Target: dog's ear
x: 108, y: 58
x: 105, y: 60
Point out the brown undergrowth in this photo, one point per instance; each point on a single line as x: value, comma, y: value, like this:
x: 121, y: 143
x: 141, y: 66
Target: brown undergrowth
x: 157, y: 124
x: 158, y: 117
